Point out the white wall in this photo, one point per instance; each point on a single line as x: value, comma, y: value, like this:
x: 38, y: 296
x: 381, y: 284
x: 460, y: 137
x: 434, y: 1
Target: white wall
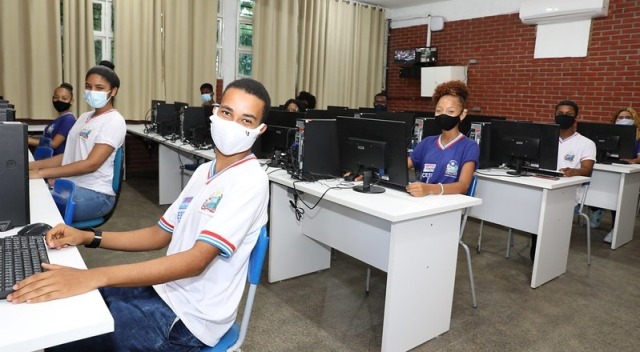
x: 451, y: 10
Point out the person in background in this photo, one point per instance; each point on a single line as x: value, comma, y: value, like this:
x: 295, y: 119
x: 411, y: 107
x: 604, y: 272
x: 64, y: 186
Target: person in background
x: 308, y: 98
x: 59, y: 128
x: 92, y: 142
x: 445, y: 163
x: 380, y: 102
x: 207, y: 95
x: 629, y: 117
x: 189, y: 298
x: 295, y: 105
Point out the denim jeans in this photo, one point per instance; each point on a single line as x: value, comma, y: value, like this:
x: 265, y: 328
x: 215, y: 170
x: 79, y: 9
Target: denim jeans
x: 143, y: 322
x: 91, y: 204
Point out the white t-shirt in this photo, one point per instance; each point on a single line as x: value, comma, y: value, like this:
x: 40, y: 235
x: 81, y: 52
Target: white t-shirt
x: 573, y: 150
x: 108, y: 128
x: 226, y: 210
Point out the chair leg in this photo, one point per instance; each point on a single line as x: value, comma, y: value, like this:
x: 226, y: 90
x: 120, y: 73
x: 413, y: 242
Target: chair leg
x: 509, y: 242
x: 480, y: 237
x: 474, y: 304
x: 366, y: 288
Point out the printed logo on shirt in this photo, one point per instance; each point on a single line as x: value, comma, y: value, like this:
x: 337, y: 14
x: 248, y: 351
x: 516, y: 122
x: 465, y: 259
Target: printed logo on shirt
x: 427, y: 171
x: 452, y: 169
x: 84, y: 134
x: 569, y: 157
x: 212, y: 202
x: 183, y: 207
x: 50, y: 128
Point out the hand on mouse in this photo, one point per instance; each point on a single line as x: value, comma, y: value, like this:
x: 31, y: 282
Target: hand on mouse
x: 352, y: 177
x: 62, y: 236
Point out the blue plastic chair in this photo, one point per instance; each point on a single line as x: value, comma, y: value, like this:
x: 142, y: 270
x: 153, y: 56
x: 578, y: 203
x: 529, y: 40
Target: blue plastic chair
x: 63, y: 192
x: 232, y: 340
x: 45, y: 142
x: 118, y: 172
x: 42, y: 153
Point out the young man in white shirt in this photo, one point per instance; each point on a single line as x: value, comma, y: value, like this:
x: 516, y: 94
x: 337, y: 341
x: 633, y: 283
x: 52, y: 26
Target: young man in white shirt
x: 189, y: 298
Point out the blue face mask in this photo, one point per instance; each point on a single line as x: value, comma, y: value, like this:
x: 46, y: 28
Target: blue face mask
x: 96, y: 99
x: 206, y: 97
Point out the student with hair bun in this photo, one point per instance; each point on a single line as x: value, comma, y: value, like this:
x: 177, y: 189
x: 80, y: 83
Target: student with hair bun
x: 91, y: 147
x: 59, y: 128
x: 445, y: 163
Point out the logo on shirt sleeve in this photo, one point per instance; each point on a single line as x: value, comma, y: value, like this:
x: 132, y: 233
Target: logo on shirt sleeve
x: 211, y: 203
x: 183, y: 207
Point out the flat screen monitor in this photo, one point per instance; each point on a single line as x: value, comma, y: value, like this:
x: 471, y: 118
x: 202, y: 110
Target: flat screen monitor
x: 421, y: 113
x: 337, y: 108
x: 196, y: 126
x: 406, y: 117
x: 366, y: 109
x: 279, y: 136
x: 524, y: 144
x: 465, y: 125
x: 613, y: 142
x: 167, y: 120
x: 404, y: 56
x: 322, y: 114
x: 374, y: 145
x: 180, y: 106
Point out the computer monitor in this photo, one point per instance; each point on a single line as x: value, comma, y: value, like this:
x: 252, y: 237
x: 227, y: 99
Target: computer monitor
x: 613, y: 142
x: 321, y: 114
x: 524, y: 144
x: 421, y: 113
x: 196, y: 127
x: 374, y: 145
x: 180, y: 106
x: 366, y: 109
x: 167, y: 120
x: 279, y: 136
x: 465, y: 125
x: 406, y: 117
x: 337, y: 108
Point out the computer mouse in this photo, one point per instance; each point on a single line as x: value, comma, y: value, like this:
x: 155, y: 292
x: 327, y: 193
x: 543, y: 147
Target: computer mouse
x: 351, y: 177
x: 35, y: 229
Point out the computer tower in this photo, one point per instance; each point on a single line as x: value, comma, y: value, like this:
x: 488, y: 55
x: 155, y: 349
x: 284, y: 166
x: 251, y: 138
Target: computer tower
x: 14, y: 175
x: 318, y: 156
x: 481, y: 133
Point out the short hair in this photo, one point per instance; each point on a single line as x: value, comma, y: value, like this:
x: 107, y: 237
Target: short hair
x: 108, y: 64
x: 206, y: 85
x: 68, y: 87
x: 381, y: 94
x: 254, y: 88
x: 454, y: 88
x: 302, y: 106
x: 105, y: 72
x: 570, y: 103
x: 308, y: 97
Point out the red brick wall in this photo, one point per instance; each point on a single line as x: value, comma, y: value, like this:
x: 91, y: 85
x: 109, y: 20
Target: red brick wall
x: 507, y: 81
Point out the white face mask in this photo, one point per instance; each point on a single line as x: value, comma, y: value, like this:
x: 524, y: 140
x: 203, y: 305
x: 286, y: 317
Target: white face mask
x: 626, y: 122
x: 229, y: 137
x: 96, y: 99
x: 205, y: 98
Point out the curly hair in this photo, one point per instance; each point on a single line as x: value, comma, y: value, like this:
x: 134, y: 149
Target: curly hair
x: 453, y: 88
x: 634, y: 115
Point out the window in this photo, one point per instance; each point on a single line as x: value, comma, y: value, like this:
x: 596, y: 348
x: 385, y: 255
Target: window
x: 103, y: 29
x: 245, y: 38
x: 219, y: 42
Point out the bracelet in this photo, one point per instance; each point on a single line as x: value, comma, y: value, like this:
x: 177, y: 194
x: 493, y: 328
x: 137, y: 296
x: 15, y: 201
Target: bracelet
x: 97, y: 238
x: 441, y: 189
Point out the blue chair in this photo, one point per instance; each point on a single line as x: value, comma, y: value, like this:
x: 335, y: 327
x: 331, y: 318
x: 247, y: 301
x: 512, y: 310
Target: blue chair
x: 118, y: 172
x: 232, y: 340
x: 45, y: 142
x: 63, y: 192
x: 42, y: 153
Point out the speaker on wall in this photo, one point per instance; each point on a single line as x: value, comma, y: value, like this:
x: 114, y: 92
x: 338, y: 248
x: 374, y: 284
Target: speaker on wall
x: 14, y: 175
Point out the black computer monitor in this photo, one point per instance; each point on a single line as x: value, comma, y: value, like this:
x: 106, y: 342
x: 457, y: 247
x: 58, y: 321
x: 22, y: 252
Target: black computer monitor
x: 279, y: 136
x: 465, y: 125
x: 337, y: 108
x: 321, y: 114
x: 366, y: 109
x: 196, y: 126
x: 167, y: 120
x: 406, y: 117
x: 524, y: 144
x: 374, y: 145
x: 613, y: 142
x: 180, y: 106
x: 421, y: 113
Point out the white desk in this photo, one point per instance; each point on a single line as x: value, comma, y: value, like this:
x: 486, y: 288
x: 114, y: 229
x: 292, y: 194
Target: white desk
x: 535, y: 205
x: 28, y: 327
x: 170, y: 156
x: 616, y: 187
x: 415, y: 240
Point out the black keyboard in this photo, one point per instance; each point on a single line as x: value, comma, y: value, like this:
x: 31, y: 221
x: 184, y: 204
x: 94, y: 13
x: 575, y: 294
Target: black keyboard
x: 20, y: 257
x: 613, y: 161
x: 392, y: 185
x: 544, y: 172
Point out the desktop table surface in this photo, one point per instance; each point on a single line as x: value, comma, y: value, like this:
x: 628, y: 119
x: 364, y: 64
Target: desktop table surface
x: 29, y: 327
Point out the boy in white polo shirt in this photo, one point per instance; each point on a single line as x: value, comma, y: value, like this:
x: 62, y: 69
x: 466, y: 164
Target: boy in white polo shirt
x: 189, y: 298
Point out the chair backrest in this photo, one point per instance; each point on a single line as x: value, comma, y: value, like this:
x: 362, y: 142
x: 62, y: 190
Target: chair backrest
x: 42, y: 152
x: 44, y: 142
x: 63, y: 192
x: 471, y: 191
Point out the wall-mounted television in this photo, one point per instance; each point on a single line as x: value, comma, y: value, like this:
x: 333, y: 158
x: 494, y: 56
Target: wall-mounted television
x: 406, y: 56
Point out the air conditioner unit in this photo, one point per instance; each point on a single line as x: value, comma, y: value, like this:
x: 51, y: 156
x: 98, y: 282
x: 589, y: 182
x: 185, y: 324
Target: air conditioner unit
x: 559, y: 11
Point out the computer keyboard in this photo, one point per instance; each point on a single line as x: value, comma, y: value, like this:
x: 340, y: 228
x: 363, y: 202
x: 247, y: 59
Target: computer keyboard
x: 392, y: 185
x: 20, y: 257
x: 544, y: 172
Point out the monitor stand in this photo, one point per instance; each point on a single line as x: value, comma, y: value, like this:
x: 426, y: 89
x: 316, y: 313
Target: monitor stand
x: 366, y: 185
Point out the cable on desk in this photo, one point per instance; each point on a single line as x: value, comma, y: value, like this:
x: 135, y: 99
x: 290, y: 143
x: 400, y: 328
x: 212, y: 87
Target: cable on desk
x: 296, y: 194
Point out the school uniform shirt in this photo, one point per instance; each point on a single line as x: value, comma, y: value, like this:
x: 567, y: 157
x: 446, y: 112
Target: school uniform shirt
x: 108, y: 128
x: 438, y: 163
x: 225, y: 210
x: 61, y: 125
x: 574, y: 149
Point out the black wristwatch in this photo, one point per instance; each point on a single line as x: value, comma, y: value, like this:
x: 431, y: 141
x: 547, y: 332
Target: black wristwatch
x: 97, y: 238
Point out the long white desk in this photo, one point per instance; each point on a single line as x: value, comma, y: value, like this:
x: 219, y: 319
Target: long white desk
x: 616, y: 187
x: 415, y: 240
x: 171, y: 154
x: 29, y: 327
x: 539, y: 206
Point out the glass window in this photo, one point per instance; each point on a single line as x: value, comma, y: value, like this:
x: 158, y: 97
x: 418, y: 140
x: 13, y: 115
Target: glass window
x: 246, y: 35
x: 246, y: 8
x: 244, y: 64
x: 98, y: 48
x: 97, y: 17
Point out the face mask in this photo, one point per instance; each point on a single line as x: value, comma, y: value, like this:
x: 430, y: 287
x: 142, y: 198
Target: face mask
x: 625, y: 122
x: 379, y: 107
x: 205, y: 98
x: 447, y: 122
x: 96, y: 99
x: 229, y: 137
x: 61, y: 106
x: 565, y: 121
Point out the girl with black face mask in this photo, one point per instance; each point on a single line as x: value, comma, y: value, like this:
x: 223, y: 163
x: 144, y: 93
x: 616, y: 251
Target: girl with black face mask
x: 59, y: 128
x: 445, y: 163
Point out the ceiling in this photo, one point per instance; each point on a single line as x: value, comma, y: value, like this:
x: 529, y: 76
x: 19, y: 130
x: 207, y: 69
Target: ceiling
x: 397, y: 4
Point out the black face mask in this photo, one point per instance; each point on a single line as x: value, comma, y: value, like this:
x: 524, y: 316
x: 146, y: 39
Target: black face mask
x: 379, y: 107
x: 61, y: 106
x: 565, y: 121
x: 447, y: 122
